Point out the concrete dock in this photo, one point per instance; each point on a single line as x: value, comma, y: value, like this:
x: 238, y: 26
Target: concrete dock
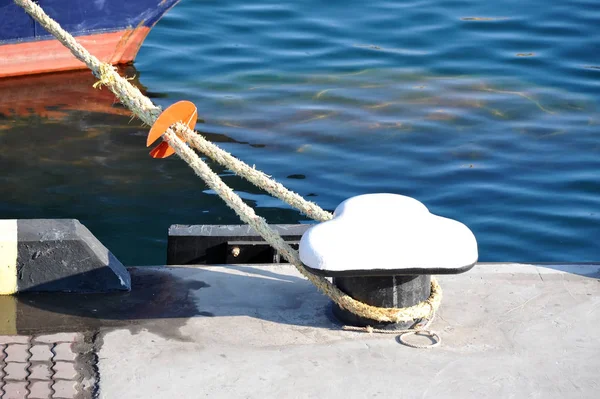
x: 508, y: 330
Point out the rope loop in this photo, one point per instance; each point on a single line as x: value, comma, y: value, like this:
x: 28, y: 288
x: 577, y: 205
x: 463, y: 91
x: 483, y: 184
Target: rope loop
x: 421, y: 328
x: 434, y: 336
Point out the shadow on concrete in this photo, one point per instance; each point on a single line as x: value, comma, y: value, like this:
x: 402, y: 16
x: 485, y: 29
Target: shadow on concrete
x: 82, y: 268
x: 155, y: 295
x: 267, y: 294
x: 162, y: 300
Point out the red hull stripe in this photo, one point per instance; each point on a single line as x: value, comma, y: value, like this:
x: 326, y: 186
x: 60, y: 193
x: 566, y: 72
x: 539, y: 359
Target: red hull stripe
x: 51, y: 56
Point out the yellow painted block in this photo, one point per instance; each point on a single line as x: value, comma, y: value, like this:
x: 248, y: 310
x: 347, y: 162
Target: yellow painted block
x: 8, y: 257
x: 8, y: 315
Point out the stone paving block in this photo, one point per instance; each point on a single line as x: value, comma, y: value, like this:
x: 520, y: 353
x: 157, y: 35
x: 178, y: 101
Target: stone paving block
x: 41, y: 353
x: 14, y: 339
x: 17, y: 353
x: 15, y: 390
x: 2, y: 354
x: 64, y: 371
x: 16, y: 371
x: 40, y: 390
x: 65, y: 389
x: 60, y: 337
x: 64, y: 351
x: 40, y: 371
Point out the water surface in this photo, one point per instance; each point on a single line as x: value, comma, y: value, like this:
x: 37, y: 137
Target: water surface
x: 486, y: 112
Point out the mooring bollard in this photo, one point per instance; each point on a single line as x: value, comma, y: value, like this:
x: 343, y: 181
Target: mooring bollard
x: 382, y: 249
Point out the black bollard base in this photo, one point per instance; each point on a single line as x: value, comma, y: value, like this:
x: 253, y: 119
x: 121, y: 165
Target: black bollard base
x: 385, y: 292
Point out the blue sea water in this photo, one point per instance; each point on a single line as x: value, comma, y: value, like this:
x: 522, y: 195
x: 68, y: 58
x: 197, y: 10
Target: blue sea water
x: 487, y: 112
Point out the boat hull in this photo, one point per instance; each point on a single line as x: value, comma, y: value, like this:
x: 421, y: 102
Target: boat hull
x: 51, y: 56
x: 112, y: 30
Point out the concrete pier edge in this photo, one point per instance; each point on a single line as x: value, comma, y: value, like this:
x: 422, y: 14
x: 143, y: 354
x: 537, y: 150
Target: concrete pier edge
x: 254, y: 331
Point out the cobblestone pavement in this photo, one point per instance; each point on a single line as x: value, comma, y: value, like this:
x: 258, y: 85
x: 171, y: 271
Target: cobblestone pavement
x: 46, y: 366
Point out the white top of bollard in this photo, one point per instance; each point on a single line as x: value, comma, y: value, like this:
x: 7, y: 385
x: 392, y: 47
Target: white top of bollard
x: 387, y: 234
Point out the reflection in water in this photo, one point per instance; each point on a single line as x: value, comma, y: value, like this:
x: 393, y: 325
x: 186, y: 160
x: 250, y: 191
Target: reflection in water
x: 72, y: 151
x: 401, y: 100
x: 53, y: 96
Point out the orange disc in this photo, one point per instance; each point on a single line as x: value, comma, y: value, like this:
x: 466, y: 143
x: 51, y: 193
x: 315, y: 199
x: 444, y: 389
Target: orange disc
x: 182, y: 111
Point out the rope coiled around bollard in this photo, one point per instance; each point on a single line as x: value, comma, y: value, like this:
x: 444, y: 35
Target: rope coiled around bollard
x: 144, y: 109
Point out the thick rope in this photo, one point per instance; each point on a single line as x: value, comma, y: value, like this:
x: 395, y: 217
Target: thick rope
x: 256, y: 177
x: 131, y: 97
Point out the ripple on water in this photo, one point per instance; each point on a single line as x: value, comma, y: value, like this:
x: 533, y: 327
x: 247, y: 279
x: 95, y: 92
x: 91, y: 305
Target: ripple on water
x: 485, y: 111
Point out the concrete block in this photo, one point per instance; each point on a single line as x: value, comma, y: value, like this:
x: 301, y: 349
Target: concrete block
x: 16, y: 371
x: 40, y: 390
x: 14, y: 339
x: 41, y: 353
x: 17, y: 353
x: 64, y: 371
x: 40, y: 371
x: 58, y: 337
x: 15, y: 390
x: 65, y: 389
x: 39, y: 255
x: 64, y: 351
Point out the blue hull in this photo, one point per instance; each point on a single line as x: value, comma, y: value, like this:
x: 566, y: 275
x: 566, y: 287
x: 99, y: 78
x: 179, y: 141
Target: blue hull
x: 80, y: 17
